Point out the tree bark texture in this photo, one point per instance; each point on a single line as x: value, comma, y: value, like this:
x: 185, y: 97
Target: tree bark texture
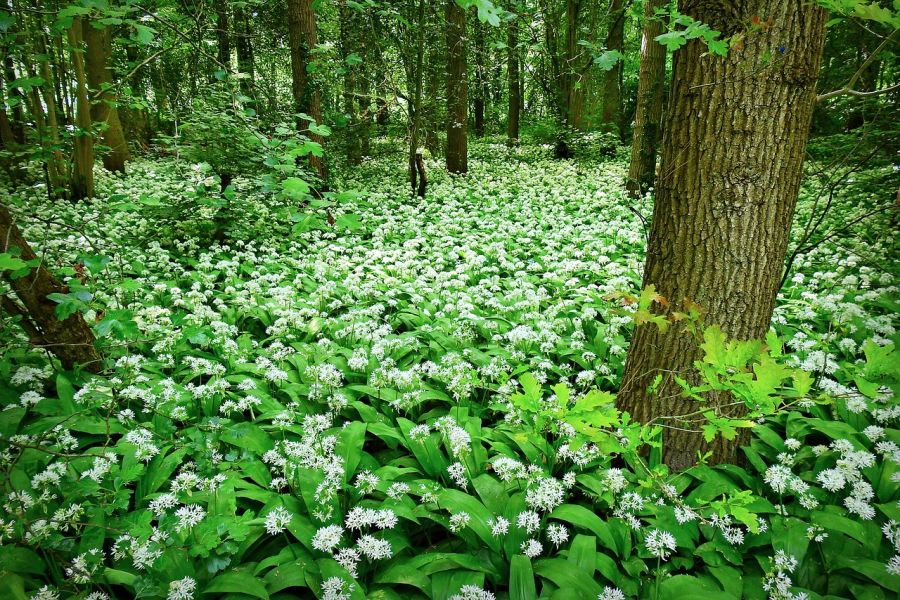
x: 244, y: 49
x: 81, y: 184
x: 457, y: 90
x: 103, y: 109
x: 70, y: 340
x: 731, y: 165
x: 648, y: 113
x: 307, y: 98
x: 612, y: 79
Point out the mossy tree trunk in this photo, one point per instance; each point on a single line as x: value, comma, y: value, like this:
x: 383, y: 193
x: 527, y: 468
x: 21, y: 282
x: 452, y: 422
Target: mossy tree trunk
x: 307, y: 98
x: 71, y: 340
x: 731, y: 165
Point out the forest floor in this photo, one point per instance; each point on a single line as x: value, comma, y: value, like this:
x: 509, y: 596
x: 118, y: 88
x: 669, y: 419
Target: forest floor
x: 269, y: 361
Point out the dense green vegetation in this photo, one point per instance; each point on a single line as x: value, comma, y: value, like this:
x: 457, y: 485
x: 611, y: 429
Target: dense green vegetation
x: 301, y: 340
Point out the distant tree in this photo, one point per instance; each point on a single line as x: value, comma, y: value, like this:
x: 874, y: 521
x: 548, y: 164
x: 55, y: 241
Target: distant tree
x: 648, y: 113
x: 306, y: 94
x: 612, y: 79
x: 513, y: 84
x: 81, y: 183
x: 103, y: 108
x: 732, y: 158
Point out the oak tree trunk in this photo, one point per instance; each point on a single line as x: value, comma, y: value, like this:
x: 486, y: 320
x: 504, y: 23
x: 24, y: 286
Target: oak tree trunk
x: 457, y: 90
x: 512, y: 78
x: 71, y: 340
x: 612, y: 79
x: 307, y: 98
x: 648, y: 113
x: 103, y: 108
x: 81, y: 184
x: 731, y: 165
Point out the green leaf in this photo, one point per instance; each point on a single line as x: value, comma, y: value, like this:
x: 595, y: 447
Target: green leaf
x: 8, y: 262
x: 238, y: 582
x: 143, y: 35
x: 521, y: 579
x: 685, y: 587
x: 672, y: 40
x: 295, y: 188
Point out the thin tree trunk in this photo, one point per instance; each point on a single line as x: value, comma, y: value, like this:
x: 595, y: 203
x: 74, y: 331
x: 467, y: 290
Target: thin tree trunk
x: 71, y: 340
x: 569, y: 91
x: 349, y: 38
x: 648, y: 113
x: 307, y: 98
x: 244, y: 47
x: 223, y: 53
x: 512, y: 74
x: 732, y: 160
x: 415, y: 75
x: 81, y: 184
x: 480, y: 80
x: 457, y: 84
x: 15, y: 95
x: 612, y: 79
x: 104, y: 109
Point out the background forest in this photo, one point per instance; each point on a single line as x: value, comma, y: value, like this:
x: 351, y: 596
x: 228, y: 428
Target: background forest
x: 457, y: 299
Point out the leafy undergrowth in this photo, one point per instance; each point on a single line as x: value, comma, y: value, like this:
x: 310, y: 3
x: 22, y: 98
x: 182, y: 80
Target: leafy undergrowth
x: 379, y: 407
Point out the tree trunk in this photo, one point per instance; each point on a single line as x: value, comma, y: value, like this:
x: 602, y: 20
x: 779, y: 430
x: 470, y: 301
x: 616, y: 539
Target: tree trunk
x: 103, y: 109
x: 15, y: 95
x: 648, y: 113
x: 307, y: 99
x: 480, y: 80
x: 414, y: 74
x: 570, y: 78
x: 244, y: 47
x: 732, y: 160
x: 457, y: 84
x: 349, y: 38
x: 512, y: 77
x: 223, y: 53
x: 81, y: 184
x: 612, y: 79
x: 71, y: 340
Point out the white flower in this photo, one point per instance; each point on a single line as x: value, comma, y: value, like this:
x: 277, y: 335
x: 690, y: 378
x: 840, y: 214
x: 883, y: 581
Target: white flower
x: 611, y: 593
x: 893, y: 565
x: 335, y: 588
x: 660, y: 543
x: 277, y: 520
x: 472, y: 592
x: 532, y: 548
x: 326, y: 538
x: 373, y: 548
x: 499, y: 526
x: 182, y: 589
x: 547, y: 495
x: 831, y: 479
x: 528, y: 520
x: 189, y: 515
x: 557, y: 534
x: 459, y: 521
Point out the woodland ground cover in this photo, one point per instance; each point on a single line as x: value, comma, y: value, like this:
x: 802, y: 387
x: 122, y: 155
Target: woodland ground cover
x: 390, y: 397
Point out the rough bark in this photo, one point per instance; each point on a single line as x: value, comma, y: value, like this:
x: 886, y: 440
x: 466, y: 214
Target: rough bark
x: 307, y: 98
x: 420, y: 169
x: 612, y: 79
x: 70, y: 340
x: 81, y: 184
x: 103, y: 109
x: 731, y: 166
x: 512, y: 78
x: 648, y: 113
x: 457, y: 90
